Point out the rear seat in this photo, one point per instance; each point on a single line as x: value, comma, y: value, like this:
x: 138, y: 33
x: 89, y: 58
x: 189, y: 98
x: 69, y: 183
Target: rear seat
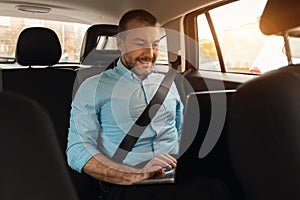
x: 95, y: 60
x: 99, y: 56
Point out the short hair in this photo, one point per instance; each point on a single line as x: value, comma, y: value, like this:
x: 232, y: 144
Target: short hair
x: 140, y: 15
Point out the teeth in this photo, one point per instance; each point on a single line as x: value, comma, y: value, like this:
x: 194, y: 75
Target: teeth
x: 144, y: 61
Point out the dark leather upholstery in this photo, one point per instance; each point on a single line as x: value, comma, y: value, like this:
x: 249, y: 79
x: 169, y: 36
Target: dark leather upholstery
x: 101, y: 58
x: 264, y: 135
x: 38, y: 46
x: 98, y: 60
x: 51, y: 88
x: 32, y: 166
x: 279, y: 16
x: 210, y: 121
x: 264, y: 128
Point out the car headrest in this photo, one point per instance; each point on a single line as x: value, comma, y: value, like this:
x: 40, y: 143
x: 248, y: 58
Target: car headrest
x: 101, y: 58
x: 280, y: 16
x: 38, y: 46
x: 89, y: 55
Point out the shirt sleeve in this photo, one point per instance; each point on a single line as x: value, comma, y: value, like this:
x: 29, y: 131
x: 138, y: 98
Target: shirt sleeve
x: 84, y: 125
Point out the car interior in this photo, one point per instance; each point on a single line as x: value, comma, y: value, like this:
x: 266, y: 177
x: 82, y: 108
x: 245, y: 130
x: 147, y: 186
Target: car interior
x: 246, y: 124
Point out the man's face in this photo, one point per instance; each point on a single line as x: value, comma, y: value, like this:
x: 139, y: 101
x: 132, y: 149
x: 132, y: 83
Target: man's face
x: 139, y: 47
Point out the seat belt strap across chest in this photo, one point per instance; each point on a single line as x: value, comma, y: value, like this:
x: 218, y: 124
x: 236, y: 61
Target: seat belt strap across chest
x: 145, y: 118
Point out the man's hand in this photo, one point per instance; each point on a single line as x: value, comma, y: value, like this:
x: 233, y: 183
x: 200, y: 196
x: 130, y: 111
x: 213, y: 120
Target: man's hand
x: 156, y: 165
x: 102, y: 168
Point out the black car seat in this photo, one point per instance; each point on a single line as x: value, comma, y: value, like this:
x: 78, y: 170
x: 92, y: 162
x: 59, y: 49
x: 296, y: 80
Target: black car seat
x: 33, y: 165
x: 95, y: 54
x: 264, y: 128
x: 50, y: 87
x: 96, y: 59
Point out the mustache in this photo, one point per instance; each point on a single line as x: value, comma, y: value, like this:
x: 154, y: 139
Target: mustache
x: 146, y: 59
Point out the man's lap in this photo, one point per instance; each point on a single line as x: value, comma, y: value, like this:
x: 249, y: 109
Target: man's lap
x: 199, y: 188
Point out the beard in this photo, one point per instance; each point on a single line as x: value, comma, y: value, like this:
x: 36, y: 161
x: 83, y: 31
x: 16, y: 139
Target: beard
x: 141, y: 65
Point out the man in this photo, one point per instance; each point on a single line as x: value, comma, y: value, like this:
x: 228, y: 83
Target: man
x: 107, y: 105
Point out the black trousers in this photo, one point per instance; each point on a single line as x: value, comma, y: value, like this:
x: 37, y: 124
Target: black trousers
x: 200, y: 188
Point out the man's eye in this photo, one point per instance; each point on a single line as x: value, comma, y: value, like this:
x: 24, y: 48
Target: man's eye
x: 155, y: 46
x: 140, y: 45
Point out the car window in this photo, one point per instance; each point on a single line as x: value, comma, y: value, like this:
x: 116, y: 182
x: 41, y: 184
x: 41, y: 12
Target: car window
x: 295, y: 49
x: 107, y: 43
x: 163, y: 51
x: 70, y: 36
x: 208, y: 59
x: 244, y: 47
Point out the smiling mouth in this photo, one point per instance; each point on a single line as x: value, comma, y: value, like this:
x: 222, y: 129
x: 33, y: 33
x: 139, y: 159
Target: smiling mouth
x: 145, y: 60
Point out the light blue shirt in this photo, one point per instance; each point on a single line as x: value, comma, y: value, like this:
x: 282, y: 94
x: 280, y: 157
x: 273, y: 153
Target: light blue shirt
x: 107, y: 105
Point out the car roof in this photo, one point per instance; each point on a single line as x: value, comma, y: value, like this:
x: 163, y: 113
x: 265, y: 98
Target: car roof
x: 104, y: 11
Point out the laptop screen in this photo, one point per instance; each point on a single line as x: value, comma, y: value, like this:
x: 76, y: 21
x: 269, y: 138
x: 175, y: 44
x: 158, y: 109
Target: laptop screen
x: 204, y: 119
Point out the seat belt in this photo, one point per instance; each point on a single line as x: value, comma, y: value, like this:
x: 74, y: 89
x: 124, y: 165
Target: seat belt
x: 145, y: 118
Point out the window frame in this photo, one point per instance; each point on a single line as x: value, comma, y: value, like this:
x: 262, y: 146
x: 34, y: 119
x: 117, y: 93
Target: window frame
x: 191, y: 30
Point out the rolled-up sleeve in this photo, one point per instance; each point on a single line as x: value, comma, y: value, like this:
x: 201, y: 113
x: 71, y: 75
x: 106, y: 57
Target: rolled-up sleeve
x: 84, y: 127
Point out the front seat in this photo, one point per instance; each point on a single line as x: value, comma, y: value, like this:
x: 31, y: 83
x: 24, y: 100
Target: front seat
x: 32, y: 162
x: 40, y: 49
x: 51, y: 87
x: 264, y: 121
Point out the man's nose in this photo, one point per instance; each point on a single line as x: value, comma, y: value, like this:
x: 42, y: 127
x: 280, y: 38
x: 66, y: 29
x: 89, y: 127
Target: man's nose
x: 148, y: 51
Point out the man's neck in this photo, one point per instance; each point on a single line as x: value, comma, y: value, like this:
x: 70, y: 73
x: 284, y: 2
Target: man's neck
x: 123, y: 61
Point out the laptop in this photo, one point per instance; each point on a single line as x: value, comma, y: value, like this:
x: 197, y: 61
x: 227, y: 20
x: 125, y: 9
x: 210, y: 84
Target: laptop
x: 204, y: 118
